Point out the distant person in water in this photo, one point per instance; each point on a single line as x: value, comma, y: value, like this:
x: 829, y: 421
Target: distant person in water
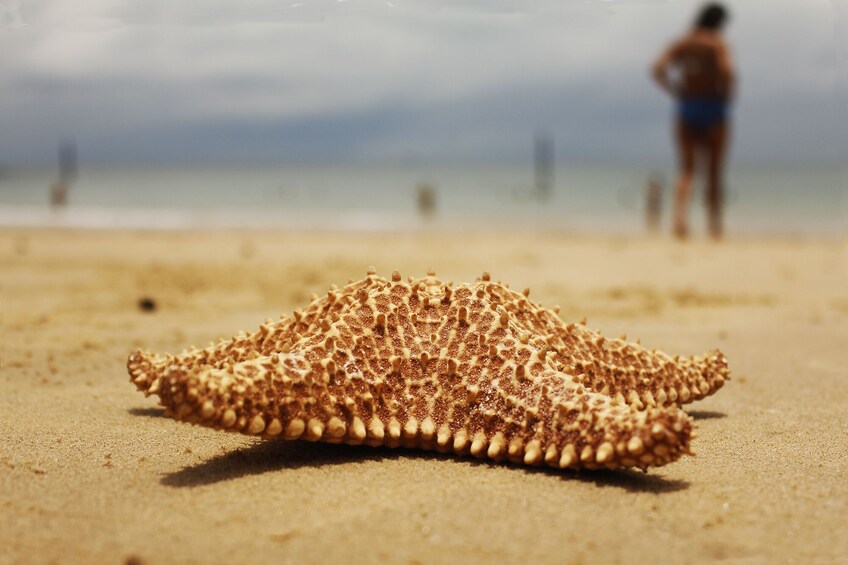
x: 426, y: 200
x: 67, y: 174
x: 59, y: 194
x: 697, y: 71
x: 653, y: 202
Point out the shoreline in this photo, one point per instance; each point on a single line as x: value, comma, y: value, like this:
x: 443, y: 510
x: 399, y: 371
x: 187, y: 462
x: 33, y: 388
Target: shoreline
x: 381, y: 221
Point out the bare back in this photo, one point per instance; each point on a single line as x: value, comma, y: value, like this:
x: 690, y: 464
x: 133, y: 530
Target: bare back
x: 702, y: 64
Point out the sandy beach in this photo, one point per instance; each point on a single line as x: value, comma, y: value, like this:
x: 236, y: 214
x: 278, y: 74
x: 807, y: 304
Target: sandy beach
x: 91, y: 471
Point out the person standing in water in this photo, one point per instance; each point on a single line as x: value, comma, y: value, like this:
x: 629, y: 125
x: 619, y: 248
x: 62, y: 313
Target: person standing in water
x: 697, y: 71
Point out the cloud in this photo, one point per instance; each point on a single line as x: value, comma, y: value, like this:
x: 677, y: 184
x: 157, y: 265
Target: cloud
x: 202, y: 81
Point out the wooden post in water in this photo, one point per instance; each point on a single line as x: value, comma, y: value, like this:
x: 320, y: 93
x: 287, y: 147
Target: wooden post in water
x: 426, y: 199
x: 543, y: 158
x: 653, y: 202
x: 67, y: 174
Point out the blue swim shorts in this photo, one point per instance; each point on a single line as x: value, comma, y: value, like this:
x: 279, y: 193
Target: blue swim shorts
x: 702, y: 113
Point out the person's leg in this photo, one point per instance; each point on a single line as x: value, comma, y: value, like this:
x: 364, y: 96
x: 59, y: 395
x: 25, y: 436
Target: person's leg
x: 715, y: 172
x: 686, y: 156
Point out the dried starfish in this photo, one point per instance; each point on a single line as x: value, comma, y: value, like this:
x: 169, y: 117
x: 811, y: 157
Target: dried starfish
x: 613, y: 367
x: 472, y: 369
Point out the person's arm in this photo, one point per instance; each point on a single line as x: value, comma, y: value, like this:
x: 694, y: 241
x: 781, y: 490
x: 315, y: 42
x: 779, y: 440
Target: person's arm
x: 726, y: 73
x: 660, y: 70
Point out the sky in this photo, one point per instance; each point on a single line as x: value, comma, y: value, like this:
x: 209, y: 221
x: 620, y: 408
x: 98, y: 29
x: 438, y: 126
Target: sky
x: 268, y: 82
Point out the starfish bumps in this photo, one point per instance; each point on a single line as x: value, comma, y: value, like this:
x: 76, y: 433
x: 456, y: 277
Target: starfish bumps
x: 470, y: 368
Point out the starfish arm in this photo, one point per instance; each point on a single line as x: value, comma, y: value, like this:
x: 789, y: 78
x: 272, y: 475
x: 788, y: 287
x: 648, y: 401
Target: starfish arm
x: 586, y: 429
x: 145, y: 371
x: 551, y: 421
x: 271, y: 337
x: 636, y: 375
x: 614, y: 367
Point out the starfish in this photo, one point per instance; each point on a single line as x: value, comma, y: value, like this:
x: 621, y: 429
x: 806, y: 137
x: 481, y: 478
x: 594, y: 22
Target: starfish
x: 473, y: 368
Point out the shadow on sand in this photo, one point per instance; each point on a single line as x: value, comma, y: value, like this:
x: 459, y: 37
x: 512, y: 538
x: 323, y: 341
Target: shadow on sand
x: 706, y: 414
x: 275, y: 456
x: 272, y: 456
x: 147, y: 412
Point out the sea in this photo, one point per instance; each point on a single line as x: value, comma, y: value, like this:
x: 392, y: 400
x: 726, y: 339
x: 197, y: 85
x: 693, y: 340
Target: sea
x: 591, y: 199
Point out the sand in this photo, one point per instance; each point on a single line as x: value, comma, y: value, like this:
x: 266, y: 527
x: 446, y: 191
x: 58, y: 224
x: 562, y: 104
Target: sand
x: 91, y: 472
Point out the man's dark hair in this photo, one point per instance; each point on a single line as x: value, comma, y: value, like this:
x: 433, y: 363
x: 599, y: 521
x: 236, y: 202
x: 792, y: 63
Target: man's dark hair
x: 712, y: 16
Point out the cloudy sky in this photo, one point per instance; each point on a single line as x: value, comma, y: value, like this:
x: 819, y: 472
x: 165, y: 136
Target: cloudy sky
x: 174, y: 82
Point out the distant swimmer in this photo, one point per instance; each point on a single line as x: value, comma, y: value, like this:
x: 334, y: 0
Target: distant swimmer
x: 697, y: 71
x: 67, y: 174
x: 426, y: 200
x: 59, y: 194
x: 653, y: 202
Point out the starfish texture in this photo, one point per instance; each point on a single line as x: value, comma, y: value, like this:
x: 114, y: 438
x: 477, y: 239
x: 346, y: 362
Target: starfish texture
x: 473, y: 368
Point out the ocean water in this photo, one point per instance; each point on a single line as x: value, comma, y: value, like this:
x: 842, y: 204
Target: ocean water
x: 773, y: 200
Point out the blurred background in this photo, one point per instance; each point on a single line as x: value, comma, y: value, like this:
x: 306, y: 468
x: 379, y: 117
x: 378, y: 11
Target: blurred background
x: 366, y: 114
